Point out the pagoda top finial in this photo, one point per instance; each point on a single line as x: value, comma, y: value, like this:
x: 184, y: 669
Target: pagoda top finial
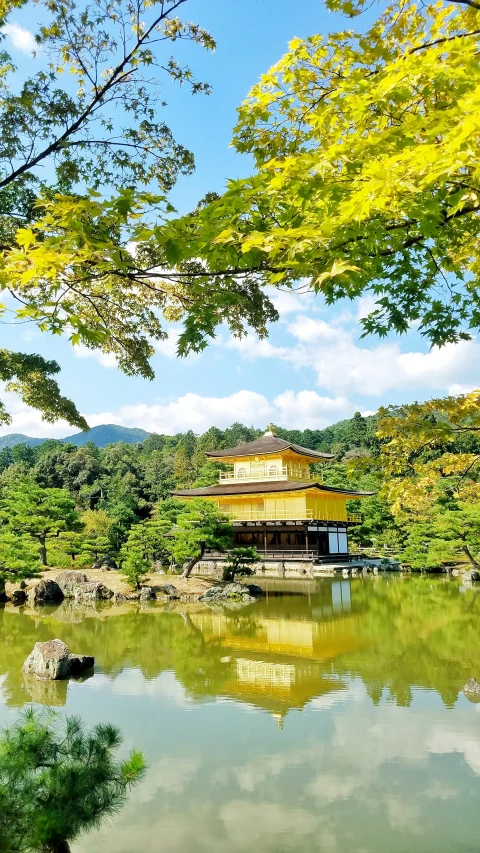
x: 270, y: 430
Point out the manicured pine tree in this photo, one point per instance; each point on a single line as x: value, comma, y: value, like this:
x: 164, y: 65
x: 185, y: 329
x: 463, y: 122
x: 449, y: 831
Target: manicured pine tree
x: 239, y: 562
x: 27, y: 508
x: 19, y: 559
x: 202, y: 526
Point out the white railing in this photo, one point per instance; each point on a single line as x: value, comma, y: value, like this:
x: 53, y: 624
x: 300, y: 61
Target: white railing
x: 268, y: 473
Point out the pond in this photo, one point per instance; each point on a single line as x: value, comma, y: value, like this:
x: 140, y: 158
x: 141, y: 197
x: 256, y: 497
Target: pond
x: 328, y: 716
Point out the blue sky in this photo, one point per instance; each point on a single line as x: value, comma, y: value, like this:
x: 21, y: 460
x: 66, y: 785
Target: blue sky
x: 313, y: 370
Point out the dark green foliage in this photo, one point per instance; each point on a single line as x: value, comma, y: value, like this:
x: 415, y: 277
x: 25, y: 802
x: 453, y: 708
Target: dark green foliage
x: 28, y: 509
x: 19, y: 558
x: 146, y: 543
x: 201, y: 527
x: 58, y: 780
x: 239, y: 562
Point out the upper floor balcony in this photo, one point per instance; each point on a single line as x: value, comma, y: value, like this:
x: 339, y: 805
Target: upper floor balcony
x: 267, y: 473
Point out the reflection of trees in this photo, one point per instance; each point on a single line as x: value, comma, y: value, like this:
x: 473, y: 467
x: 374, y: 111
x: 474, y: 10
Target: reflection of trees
x: 400, y: 634
x: 152, y: 641
x: 417, y: 632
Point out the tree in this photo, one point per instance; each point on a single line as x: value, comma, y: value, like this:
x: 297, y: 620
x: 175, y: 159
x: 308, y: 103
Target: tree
x: 19, y: 559
x: 26, y: 508
x: 58, y: 780
x: 429, y: 456
x: 239, y: 562
x: 182, y: 467
x: 418, y: 451
x: 200, y: 527
x: 450, y: 535
x: 118, y: 56
x: 145, y: 543
x: 95, y: 546
x: 363, y: 182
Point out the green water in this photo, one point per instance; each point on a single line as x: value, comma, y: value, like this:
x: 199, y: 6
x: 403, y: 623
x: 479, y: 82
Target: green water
x: 329, y: 719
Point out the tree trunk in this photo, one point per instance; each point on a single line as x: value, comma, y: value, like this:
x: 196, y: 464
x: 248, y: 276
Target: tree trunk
x: 43, y: 548
x: 3, y: 594
x: 471, y: 558
x: 58, y: 847
x: 192, y: 563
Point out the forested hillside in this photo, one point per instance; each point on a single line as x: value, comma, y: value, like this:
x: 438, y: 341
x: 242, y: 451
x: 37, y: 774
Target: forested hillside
x: 126, y: 481
x: 113, y: 488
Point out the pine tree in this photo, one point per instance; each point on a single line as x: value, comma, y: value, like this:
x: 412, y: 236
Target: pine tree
x: 26, y: 508
x: 19, y: 559
x: 239, y: 562
x: 58, y: 780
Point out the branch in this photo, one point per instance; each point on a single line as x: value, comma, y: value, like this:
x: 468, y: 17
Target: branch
x: 468, y: 3
x: 117, y: 75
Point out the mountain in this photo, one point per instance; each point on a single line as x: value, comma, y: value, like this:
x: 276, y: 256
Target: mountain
x: 99, y: 435
x: 17, y: 438
x: 107, y: 434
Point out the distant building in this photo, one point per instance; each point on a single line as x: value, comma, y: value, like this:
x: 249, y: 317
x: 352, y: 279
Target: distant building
x: 277, y: 504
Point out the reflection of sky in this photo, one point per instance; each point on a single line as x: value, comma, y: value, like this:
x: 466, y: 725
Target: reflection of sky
x: 343, y: 775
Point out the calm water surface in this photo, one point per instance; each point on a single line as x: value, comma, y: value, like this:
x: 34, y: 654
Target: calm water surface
x: 328, y: 719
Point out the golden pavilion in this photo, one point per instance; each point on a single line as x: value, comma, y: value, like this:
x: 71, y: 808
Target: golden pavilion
x: 278, y: 505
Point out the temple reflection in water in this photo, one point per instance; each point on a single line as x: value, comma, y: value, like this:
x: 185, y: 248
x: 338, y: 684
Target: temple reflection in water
x: 278, y: 662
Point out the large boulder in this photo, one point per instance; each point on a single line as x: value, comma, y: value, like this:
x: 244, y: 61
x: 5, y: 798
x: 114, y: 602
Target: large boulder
x: 68, y: 582
x: 146, y: 593
x: 19, y: 596
x: 48, y: 660
x: 45, y: 592
x: 92, y: 591
x: 470, y: 575
x: 255, y: 590
x: 168, y: 590
x: 230, y: 593
x: 51, y: 661
x: 105, y: 563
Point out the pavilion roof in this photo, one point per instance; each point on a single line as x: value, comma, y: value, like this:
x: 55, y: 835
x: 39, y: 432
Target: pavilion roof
x: 267, y: 444
x: 262, y: 488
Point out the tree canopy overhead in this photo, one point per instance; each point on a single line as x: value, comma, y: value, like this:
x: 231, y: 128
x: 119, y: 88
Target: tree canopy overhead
x: 86, y: 124
x: 367, y: 177
x: 366, y: 181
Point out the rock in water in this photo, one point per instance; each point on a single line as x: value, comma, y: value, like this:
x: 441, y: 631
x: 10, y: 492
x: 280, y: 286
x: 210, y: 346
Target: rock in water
x: 255, y: 590
x: 19, y: 596
x: 51, y: 661
x: 48, y: 660
x: 473, y: 687
x: 92, y: 591
x: 169, y: 590
x: 146, y: 593
x: 80, y: 663
x: 45, y: 592
x: 232, y: 592
x: 68, y: 582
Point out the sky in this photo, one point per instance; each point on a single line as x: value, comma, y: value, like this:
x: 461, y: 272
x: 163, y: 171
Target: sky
x: 314, y: 369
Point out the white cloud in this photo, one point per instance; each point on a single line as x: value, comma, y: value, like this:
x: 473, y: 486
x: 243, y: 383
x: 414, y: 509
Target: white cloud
x: 21, y: 38
x: 345, y: 367
x: 310, y: 410
x: 192, y: 411
x: 457, y: 389
x: 301, y: 410
x: 106, y: 359
x: 291, y: 302
x: 29, y: 421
